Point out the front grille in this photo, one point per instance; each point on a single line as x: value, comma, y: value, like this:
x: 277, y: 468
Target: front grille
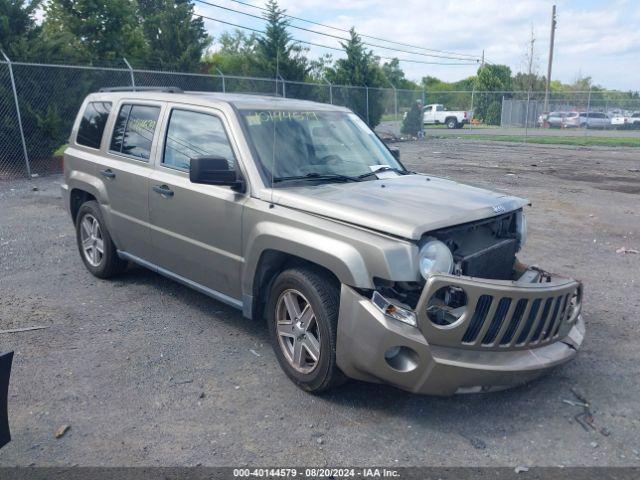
x: 498, y: 314
x: 496, y: 323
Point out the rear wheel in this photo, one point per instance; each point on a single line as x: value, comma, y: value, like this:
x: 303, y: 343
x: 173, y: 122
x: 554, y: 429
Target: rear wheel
x: 94, y: 242
x: 302, y: 313
x: 452, y: 123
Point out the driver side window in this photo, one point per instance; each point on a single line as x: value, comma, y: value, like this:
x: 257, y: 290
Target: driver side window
x: 194, y: 134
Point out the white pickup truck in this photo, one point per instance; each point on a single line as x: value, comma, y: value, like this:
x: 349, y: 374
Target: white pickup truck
x: 626, y: 121
x: 436, y: 114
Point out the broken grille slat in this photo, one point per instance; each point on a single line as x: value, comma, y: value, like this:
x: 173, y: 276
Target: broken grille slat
x: 554, y: 319
x: 563, y: 314
x: 543, y: 320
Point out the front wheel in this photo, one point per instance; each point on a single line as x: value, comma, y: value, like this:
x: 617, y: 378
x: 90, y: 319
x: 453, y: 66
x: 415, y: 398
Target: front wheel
x: 302, y: 313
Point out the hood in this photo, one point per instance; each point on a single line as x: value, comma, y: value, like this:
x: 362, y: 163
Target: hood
x: 406, y: 206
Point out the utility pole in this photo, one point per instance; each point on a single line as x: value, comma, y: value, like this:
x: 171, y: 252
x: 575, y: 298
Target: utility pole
x: 482, y: 61
x: 553, y: 34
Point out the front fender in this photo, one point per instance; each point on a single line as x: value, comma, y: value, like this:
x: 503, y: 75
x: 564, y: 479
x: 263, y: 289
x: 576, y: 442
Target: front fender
x: 338, y: 256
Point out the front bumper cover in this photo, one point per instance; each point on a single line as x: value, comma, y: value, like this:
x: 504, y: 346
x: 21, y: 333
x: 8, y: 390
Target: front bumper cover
x: 365, y: 334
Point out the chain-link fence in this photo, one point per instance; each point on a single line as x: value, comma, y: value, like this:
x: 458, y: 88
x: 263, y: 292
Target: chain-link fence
x: 39, y: 102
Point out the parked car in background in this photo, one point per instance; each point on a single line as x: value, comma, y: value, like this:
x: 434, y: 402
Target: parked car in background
x: 626, y: 121
x: 586, y: 120
x: 555, y: 119
x: 436, y: 114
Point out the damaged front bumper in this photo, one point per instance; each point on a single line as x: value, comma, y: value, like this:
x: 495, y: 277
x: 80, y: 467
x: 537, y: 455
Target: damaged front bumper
x: 507, y: 334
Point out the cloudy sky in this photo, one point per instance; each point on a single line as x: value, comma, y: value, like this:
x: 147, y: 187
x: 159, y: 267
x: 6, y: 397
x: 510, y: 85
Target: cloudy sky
x: 594, y: 38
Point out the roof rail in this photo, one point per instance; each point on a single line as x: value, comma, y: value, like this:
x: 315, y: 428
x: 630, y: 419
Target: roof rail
x: 142, y: 89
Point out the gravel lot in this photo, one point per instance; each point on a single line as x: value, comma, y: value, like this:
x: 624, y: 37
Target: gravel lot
x: 147, y: 372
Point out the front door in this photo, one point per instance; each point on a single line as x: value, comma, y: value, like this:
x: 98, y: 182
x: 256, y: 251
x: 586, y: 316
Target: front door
x: 196, y: 229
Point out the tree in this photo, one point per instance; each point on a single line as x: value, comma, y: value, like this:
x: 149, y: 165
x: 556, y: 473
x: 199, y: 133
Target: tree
x: 412, y: 123
x: 276, y: 52
x: 17, y: 25
x: 394, y: 73
x: 236, y: 55
x: 360, y: 68
x: 491, y: 78
x: 175, y: 37
x: 103, y: 31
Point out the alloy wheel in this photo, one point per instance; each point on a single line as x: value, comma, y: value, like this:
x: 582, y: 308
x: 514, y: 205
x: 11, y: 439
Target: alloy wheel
x: 91, y: 240
x: 297, y: 331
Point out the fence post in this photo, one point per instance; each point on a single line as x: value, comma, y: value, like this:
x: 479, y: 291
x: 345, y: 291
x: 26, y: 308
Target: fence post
x: 133, y: 80
x: 588, y: 114
x: 526, y: 117
x: 224, y: 88
x: 366, y: 89
x: 330, y: 90
x: 473, y: 91
x: 284, y: 87
x: 27, y: 164
x: 396, y: 127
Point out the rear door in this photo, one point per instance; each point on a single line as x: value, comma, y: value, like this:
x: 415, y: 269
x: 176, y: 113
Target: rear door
x: 428, y: 116
x: 125, y: 171
x: 196, y: 229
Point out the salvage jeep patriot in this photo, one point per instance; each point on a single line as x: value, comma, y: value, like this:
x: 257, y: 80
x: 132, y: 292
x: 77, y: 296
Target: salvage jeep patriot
x: 296, y: 213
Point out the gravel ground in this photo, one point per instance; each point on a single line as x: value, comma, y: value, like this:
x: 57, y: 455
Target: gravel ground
x: 148, y: 372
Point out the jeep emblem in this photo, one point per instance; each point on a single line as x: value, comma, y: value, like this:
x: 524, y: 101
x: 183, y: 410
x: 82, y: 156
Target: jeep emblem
x: 499, y: 209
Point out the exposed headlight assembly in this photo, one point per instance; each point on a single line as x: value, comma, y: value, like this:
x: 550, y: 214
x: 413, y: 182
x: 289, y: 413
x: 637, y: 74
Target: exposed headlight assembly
x: 434, y: 257
x: 521, y: 229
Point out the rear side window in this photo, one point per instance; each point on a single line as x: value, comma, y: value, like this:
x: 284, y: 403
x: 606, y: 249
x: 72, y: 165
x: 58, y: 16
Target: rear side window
x: 134, y: 129
x: 92, y: 124
x: 195, y: 134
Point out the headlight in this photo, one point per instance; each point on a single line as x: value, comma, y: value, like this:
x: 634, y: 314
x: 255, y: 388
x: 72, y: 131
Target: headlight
x: 435, y: 257
x: 521, y: 227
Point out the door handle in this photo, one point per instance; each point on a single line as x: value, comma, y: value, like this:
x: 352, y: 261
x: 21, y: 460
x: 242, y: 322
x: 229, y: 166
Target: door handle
x: 163, y: 190
x: 107, y: 173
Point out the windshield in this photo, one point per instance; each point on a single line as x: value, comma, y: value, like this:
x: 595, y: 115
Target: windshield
x: 315, y: 143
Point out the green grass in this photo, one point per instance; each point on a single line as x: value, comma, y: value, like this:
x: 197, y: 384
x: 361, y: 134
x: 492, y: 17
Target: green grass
x: 60, y: 150
x: 558, y: 140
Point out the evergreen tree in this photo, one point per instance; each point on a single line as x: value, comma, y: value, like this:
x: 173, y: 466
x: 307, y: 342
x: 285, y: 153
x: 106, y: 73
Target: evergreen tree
x: 412, y: 123
x: 359, y: 68
x: 17, y: 25
x: 277, y: 51
x: 175, y: 38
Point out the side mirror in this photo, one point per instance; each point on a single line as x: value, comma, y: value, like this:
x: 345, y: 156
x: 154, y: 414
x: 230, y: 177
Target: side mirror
x: 395, y: 152
x: 212, y: 170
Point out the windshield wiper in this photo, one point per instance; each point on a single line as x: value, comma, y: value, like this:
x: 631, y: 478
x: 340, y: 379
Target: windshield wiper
x: 384, y: 169
x: 318, y: 176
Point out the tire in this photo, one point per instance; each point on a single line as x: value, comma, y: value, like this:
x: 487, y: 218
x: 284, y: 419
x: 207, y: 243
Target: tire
x: 105, y: 264
x: 320, y: 292
x: 452, y: 123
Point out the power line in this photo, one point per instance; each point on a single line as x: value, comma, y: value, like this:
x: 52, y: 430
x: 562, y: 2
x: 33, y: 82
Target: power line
x: 327, y: 46
x: 361, y: 34
x: 433, y: 55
